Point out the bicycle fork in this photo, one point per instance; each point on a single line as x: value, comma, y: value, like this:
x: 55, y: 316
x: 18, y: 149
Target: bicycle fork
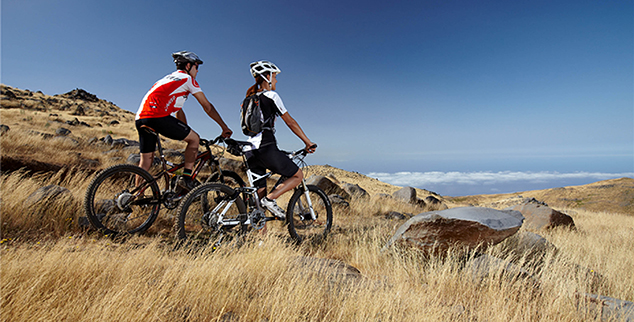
x: 313, y: 216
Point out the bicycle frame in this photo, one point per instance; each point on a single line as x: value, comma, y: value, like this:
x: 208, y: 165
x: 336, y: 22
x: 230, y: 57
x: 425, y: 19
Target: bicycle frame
x: 253, y: 177
x: 167, y: 174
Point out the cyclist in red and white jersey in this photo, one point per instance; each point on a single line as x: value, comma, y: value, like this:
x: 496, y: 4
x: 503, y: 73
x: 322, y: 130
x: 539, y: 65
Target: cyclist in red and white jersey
x: 167, y: 97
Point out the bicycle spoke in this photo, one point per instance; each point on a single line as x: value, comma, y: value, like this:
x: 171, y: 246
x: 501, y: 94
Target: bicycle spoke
x: 114, y: 203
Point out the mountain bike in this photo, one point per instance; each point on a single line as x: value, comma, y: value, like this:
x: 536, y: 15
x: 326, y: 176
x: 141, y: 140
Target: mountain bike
x: 126, y: 199
x: 213, y: 212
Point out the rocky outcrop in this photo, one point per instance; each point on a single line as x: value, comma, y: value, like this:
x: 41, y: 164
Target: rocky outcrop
x: 80, y: 94
x: 471, y: 227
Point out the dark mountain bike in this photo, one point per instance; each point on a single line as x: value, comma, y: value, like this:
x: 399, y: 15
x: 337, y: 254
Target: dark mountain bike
x: 126, y: 199
x: 213, y: 212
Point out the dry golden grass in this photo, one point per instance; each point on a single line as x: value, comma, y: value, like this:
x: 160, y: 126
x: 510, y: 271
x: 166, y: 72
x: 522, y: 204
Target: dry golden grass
x: 89, y: 278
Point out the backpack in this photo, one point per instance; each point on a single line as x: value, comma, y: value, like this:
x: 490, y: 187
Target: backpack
x: 251, y: 118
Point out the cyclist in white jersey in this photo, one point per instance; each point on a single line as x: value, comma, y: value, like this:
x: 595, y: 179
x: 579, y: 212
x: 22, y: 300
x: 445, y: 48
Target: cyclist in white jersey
x: 167, y: 97
x: 266, y: 154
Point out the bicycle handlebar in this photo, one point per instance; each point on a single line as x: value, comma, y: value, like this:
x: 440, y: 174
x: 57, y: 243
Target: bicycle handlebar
x: 205, y: 142
x: 301, y: 152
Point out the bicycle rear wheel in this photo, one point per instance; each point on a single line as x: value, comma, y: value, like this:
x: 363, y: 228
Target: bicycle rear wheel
x: 301, y: 226
x: 210, y: 214
x: 114, y: 204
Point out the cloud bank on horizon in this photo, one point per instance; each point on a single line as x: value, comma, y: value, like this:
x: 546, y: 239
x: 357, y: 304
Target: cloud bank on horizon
x: 437, y: 179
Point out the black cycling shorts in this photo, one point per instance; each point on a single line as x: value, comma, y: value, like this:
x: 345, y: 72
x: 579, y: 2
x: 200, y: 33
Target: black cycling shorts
x: 270, y: 157
x: 167, y: 126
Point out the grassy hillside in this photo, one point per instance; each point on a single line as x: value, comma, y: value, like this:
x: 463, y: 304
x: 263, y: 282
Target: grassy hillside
x: 616, y: 195
x: 53, y: 268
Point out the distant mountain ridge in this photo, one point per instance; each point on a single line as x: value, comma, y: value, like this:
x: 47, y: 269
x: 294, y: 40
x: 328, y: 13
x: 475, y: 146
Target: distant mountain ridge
x: 88, y: 117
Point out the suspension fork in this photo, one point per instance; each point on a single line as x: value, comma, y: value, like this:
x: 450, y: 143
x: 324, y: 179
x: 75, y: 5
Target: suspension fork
x: 310, y: 202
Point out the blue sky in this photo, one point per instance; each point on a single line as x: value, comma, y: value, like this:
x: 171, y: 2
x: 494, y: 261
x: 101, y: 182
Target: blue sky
x: 432, y: 88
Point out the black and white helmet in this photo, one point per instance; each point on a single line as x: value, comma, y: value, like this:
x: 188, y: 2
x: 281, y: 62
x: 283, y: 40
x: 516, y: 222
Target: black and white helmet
x: 263, y: 66
x: 186, y: 57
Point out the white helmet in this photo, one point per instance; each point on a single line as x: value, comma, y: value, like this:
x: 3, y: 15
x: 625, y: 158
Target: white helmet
x: 263, y: 66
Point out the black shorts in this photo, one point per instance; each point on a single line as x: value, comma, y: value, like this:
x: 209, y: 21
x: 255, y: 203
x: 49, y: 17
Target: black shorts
x: 167, y: 126
x: 270, y: 157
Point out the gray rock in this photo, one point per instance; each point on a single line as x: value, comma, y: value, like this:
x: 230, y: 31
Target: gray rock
x: 46, y: 194
x: 62, y: 131
x: 121, y: 143
x: 327, y: 186
x: 606, y: 308
x: 338, y: 200
x: 108, y: 139
x: 355, y: 191
x: 539, y: 216
x: 73, y: 122
x: 530, y: 246
x: 472, y: 227
x: 395, y: 215
x: 4, y: 129
x: 407, y: 194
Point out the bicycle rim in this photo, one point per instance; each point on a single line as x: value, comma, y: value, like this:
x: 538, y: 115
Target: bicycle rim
x: 209, y: 215
x: 115, y: 205
x: 301, y: 226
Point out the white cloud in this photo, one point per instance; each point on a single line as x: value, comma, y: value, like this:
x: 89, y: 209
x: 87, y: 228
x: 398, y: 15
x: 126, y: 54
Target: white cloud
x: 420, y: 179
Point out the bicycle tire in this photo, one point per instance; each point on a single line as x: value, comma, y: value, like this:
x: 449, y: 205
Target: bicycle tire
x: 301, y: 226
x: 229, y: 178
x: 111, y: 206
x: 197, y: 226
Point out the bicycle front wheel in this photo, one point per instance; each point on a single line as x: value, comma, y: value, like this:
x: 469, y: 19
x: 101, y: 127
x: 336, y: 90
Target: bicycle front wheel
x: 301, y: 225
x: 114, y: 203
x: 228, y: 178
x: 209, y: 214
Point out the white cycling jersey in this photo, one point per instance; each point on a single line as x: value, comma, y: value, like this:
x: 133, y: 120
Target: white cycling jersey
x: 272, y: 105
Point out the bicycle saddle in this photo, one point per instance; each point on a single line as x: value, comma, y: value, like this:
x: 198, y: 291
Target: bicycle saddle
x: 235, y: 147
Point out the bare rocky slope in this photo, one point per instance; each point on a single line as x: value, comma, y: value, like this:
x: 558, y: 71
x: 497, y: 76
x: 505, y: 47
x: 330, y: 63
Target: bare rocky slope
x: 88, y: 118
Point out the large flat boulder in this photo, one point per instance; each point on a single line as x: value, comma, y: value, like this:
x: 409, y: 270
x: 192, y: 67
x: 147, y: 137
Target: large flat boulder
x: 436, y: 231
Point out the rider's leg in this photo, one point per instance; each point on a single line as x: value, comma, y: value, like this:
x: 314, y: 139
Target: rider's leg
x: 191, y: 150
x: 145, y: 161
x: 261, y: 192
x: 287, y: 185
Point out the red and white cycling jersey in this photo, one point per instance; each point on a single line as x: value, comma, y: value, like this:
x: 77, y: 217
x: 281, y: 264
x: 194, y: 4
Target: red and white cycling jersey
x: 167, y: 95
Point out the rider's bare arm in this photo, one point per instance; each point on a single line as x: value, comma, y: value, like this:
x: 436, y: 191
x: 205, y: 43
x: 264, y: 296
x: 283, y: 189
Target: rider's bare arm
x: 294, y: 126
x: 211, y: 111
x: 180, y: 115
